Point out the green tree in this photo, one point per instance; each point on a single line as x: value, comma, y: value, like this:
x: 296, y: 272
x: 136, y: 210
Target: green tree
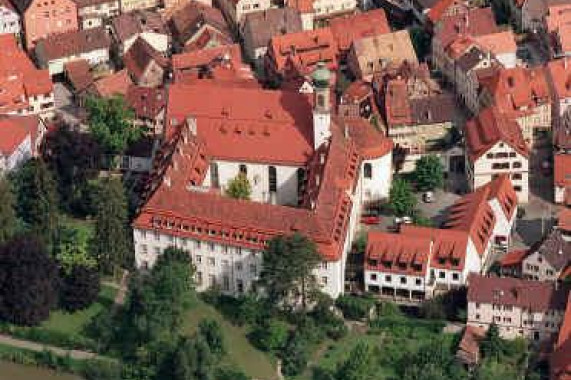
x: 239, y: 187
x: 28, y: 281
x: 192, y: 360
x: 401, y: 198
x: 111, y: 123
x: 493, y: 370
x: 37, y: 200
x: 79, y: 288
x: 8, y: 221
x: 226, y: 373
x: 270, y: 335
x: 111, y: 243
x: 429, y: 173
x: 288, y: 264
x: 358, y: 366
x: 211, y: 331
x: 72, y: 249
x: 491, y: 345
x: 295, y: 355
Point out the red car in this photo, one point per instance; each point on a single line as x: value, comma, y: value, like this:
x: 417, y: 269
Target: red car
x: 370, y: 218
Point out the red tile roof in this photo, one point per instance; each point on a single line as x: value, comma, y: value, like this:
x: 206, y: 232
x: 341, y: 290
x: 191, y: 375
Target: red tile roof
x: 297, y: 54
x: 139, y: 57
x: 13, y: 131
x: 146, y: 102
x: 369, y: 142
x: 513, y: 258
x: 497, y: 43
x: 79, y: 74
x: 245, y: 124
x: 562, y: 170
x: 517, y: 91
x: 73, y: 43
x: 560, y: 72
x: 303, y: 6
x: 476, y: 22
x: 489, y: 128
x: 469, y: 346
x: 533, y: 295
x: 346, y: 29
x: 19, y: 78
x: 564, y: 220
x: 558, y: 21
x: 115, y: 84
x: 190, y: 19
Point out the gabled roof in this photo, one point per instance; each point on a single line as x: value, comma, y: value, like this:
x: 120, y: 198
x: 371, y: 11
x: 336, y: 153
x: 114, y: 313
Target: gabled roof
x: 115, y: 84
x: 395, y: 47
x: 475, y: 22
x: 532, y: 295
x: 79, y: 74
x: 370, y: 143
x: 556, y: 250
x: 498, y: 43
x: 560, y: 75
x: 562, y: 170
x: 514, y: 258
x: 139, y: 56
x: 489, y: 128
x: 245, y: 124
x: 127, y: 25
x: 14, y: 130
x: 347, y: 29
x: 560, y: 361
x: 73, y: 43
x: 146, y: 102
x: 186, y: 22
x: 260, y: 27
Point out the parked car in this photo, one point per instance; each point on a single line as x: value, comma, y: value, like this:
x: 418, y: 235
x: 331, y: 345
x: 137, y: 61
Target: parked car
x: 370, y: 217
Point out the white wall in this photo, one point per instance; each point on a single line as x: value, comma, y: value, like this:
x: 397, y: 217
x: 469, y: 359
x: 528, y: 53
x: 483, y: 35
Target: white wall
x: 9, y: 21
x: 287, y: 191
x: 94, y: 58
x: 378, y: 186
x: 159, y: 42
x: 20, y: 155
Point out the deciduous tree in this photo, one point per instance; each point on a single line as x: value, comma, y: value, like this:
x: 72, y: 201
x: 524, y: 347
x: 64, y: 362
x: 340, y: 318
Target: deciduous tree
x: 111, y: 123
x: 28, y: 281
x: 429, y: 173
x: 212, y: 333
x: 239, y: 187
x: 79, y: 288
x: 401, y: 198
x: 358, y: 365
x: 72, y: 249
x: 288, y: 264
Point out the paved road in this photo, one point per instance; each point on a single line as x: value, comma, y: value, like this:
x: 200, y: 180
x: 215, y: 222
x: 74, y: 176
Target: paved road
x: 38, y: 347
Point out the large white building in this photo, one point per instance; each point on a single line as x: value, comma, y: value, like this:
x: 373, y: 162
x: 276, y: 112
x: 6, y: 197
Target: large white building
x: 420, y: 262
x: 310, y: 173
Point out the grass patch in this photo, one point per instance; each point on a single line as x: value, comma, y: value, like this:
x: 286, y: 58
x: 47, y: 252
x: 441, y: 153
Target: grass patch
x: 83, y: 225
x: 240, y: 352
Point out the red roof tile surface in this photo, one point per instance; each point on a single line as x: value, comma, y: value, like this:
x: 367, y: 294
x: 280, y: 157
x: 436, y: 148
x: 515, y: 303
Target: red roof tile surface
x: 13, y: 132
x: 146, y: 102
x: 562, y: 170
x: 346, y: 29
x: 489, y: 128
x: 513, y: 258
x: 475, y: 22
x: 139, y: 56
x: 560, y: 361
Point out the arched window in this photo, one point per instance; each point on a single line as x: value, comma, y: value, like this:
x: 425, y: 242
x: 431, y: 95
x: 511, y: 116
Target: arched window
x: 367, y: 170
x: 243, y: 169
x: 272, y: 179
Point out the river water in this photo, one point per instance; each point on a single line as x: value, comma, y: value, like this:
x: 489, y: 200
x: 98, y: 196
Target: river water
x: 11, y: 371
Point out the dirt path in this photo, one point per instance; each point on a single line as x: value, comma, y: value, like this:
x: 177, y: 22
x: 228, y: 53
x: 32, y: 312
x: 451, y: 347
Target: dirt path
x: 39, y: 347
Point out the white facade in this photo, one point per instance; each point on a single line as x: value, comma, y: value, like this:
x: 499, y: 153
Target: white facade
x: 159, y: 41
x: 282, y: 189
x: 20, y: 155
x: 236, y: 10
x: 9, y: 21
x: 323, y: 9
x: 93, y: 16
x: 94, y: 58
x: 378, y: 184
x: 499, y: 159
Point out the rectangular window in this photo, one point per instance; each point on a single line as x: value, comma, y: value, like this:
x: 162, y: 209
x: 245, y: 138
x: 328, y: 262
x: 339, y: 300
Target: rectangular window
x: 324, y: 280
x: 388, y: 278
x: 198, y: 259
x: 211, y: 246
x: 143, y: 234
x: 157, y: 236
x: 144, y: 249
x: 373, y: 277
x: 211, y: 261
x: 198, y: 278
x: 240, y: 286
x: 157, y: 251
x: 238, y: 266
x: 403, y: 280
x: 418, y: 282
x: 253, y: 269
x: 226, y: 283
x: 212, y: 280
x: 455, y: 276
x: 225, y: 264
x: 442, y: 274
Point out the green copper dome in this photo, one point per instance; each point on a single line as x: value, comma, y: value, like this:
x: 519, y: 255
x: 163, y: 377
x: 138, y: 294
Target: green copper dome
x: 321, y: 76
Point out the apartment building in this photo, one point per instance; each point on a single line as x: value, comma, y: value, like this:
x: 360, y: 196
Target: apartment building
x: 95, y: 13
x: 519, y: 308
x: 127, y: 27
x: 317, y: 13
x: 235, y: 10
x: 494, y: 146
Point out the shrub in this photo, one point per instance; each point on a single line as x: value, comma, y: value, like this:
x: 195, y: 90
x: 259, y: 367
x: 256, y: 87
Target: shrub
x: 101, y: 370
x: 270, y: 335
x: 354, y: 308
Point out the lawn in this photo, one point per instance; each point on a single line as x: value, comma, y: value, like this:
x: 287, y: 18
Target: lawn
x: 240, y: 352
x: 74, y: 323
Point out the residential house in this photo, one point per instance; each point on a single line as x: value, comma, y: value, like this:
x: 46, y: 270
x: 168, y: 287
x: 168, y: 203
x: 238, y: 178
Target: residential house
x: 127, y: 27
x: 560, y: 360
x: 79, y: 76
x: 222, y: 65
x: 41, y: 18
x: 111, y: 85
x: 370, y: 55
x: 149, y: 105
x: 322, y: 169
x: 474, y: 23
x: 197, y: 26
x: 146, y: 66
x: 358, y: 100
x: 236, y: 10
x: 138, y: 5
x: 91, y: 45
x: 468, y: 352
x: 292, y: 57
x: 551, y: 259
x: 558, y: 28
x: 259, y: 28
x: 171, y: 5
x: 95, y: 13
x: 418, y: 125
x: 431, y: 12
x: 501, y: 45
x: 510, y: 263
x: 349, y: 28
x: 317, y: 13
x: 9, y: 18
x: 494, y: 146
x: 519, y: 308
x: 420, y: 262
x: 522, y: 94
x: 20, y: 139
x: 559, y: 79
x: 25, y: 89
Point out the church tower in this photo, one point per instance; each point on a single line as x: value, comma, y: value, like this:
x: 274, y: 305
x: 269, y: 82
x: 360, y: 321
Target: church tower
x: 322, y: 105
